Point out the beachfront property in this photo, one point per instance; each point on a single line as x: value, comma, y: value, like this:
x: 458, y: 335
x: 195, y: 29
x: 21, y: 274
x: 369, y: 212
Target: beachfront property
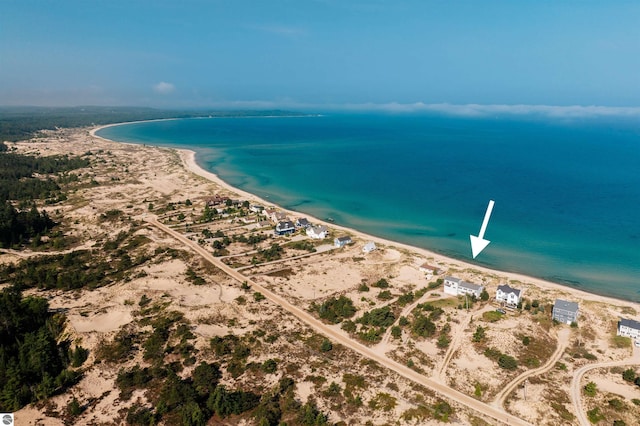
x: 278, y: 216
x: 342, y: 241
x: 285, y: 227
x: 456, y: 287
x: 566, y: 312
x: 302, y: 222
x: 216, y: 200
x: 629, y: 328
x: 369, y: 247
x: 317, y: 232
x: 508, y: 295
x: 429, y: 269
x: 256, y: 208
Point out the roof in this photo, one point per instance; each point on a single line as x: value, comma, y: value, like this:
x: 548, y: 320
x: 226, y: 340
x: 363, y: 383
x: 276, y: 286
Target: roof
x: 427, y: 266
x: 630, y: 323
x: 508, y: 289
x: 344, y: 239
x: 303, y: 221
x: 318, y: 229
x: 285, y: 225
x: 453, y: 279
x: 370, y: 245
x: 470, y: 286
x: 567, y: 306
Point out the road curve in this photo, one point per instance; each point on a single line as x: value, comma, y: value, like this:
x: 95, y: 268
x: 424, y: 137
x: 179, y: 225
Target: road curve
x: 304, y: 316
x: 576, y: 394
x: 563, y: 341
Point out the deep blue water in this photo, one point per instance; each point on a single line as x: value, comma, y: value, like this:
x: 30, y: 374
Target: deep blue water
x: 567, y: 192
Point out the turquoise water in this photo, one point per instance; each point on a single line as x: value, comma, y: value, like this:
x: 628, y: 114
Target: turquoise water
x: 567, y: 192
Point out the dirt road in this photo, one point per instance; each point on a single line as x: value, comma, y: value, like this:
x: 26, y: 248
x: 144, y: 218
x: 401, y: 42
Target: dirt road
x: 576, y: 389
x: 447, y: 392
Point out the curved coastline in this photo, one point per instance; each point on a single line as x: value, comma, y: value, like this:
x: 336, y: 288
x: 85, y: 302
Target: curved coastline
x: 188, y: 158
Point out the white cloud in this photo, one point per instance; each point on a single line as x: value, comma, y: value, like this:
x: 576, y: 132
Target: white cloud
x: 164, y: 88
x: 478, y: 110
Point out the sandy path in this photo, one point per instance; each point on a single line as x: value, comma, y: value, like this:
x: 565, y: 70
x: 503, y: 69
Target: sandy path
x: 493, y: 412
x: 576, y: 389
x: 563, y: 342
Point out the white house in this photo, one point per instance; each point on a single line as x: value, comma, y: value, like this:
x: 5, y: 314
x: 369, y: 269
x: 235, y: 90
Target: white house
x: 369, y: 247
x: 256, y: 208
x: 429, y: 269
x: 318, y: 232
x: 470, y: 288
x: 451, y: 285
x: 629, y: 328
x: 509, y: 295
x: 455, y: 286
x: 342, y: 241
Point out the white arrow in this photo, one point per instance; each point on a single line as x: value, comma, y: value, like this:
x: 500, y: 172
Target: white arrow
x: 479, y: 243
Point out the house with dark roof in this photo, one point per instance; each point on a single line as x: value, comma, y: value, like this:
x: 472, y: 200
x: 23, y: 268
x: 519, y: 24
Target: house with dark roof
x: 285, y: 227
x: 508, y: 295
x: 342, y: 241
x: 302, y: 222
x: 629, y: 328
x: 566, y: 312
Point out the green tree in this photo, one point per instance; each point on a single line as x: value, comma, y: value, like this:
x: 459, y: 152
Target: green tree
x: 484, y: 296
x: 479, y: 334
x: 629, y: 375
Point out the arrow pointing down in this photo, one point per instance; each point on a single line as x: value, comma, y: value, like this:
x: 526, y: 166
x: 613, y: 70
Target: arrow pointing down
x: 479, y: 243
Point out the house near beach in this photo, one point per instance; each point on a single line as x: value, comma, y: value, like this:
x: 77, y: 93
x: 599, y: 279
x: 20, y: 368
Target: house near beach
x: 256, y: 208
x: 566, y: 312
x: 285, y: 227
x: 317, y: 232
x: 369, y: 247
x: 508, y: 295
x: 278, y: 216
x: 429, y: 269
x: 302, y: 222
x: 342, y: 241
x: 629, y: 328
x: 457, y: 287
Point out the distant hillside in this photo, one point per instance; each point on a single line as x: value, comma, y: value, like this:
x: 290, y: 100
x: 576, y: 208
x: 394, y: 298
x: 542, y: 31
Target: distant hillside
x: 18, y: 123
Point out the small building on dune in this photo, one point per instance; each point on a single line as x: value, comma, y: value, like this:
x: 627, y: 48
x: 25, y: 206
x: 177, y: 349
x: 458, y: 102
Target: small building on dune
x: 430, y: 269
x: 564, y: 311
x: 302, y: 222
x: 629, y: 328
x: 342, y: 241
x: 369, y: 247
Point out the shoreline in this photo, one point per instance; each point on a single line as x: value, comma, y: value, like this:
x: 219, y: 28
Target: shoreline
x: 188, y: 158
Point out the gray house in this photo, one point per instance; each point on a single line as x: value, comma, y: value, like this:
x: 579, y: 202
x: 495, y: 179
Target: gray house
x: 566, y: 312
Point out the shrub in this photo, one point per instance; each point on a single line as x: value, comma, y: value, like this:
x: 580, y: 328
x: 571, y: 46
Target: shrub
x: 363, y: 287
x: 507, y: 362
x: 381, y: 283
x: 326, y: 345
x: 594, y: 415
x: 590, y: 389
x: 479, y: 334
x: 629, y: 375
x: 335, y: 310
x: 269, y: 366
x: 385, y: 295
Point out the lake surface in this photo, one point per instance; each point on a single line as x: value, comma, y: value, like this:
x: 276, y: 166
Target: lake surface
x: 567, y: 192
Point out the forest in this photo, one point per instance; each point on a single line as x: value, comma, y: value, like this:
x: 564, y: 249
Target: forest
x: 33, y: 363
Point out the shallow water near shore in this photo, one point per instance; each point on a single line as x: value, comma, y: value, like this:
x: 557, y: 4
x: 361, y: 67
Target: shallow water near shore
x: 567, y: 192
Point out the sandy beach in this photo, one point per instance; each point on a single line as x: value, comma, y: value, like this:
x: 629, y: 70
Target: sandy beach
x: 131, y: 177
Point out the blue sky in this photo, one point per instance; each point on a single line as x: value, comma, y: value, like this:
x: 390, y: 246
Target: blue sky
x: 280, y: 53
